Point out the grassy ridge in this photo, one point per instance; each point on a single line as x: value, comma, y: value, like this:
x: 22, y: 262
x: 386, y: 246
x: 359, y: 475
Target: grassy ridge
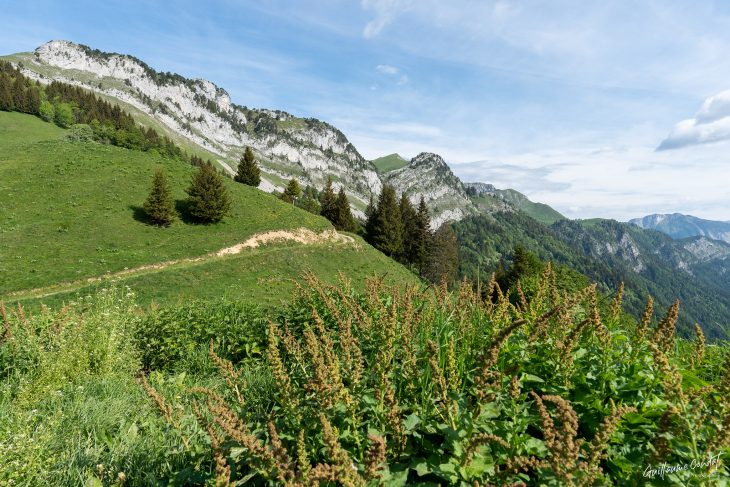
x: 389, y: 163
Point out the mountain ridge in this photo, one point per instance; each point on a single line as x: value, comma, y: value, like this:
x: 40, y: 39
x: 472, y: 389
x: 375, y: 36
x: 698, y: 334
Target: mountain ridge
x: 203, y: 116
x: 678, y: 225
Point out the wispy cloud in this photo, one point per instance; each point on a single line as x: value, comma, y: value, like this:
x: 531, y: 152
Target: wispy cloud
x: 394, y: 72
x: 385, y: 12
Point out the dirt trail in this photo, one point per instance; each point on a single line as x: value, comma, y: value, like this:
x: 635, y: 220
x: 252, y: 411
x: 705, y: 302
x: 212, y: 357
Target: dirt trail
x: 303, y: 236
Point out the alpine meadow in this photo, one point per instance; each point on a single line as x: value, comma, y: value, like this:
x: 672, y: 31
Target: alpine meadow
x: 198, y: 292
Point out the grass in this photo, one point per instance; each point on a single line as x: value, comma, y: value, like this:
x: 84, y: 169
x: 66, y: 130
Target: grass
x: 72, y: 211
x: 264, y: 276
x: 389, y: 163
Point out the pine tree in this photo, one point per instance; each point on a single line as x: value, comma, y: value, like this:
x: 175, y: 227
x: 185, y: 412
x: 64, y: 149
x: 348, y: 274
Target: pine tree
x: 19, y: 98
x: 443, y: 259
x: 248, y: 171
x: 208, y: 197
x: 292, y: 192
x: 344, y: 220
x: 328, y: 202
x: 370, y: 212
x: 386, y: 232
x: 408, y: 216
x: 524, y: 263
x: 6, y: 95
x: 421, y: 239
x: 159, y: 205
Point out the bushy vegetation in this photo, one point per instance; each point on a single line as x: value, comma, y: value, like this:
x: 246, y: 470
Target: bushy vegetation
x: 394, y: 385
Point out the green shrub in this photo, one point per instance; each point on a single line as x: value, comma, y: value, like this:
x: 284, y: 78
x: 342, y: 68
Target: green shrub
x: 167, y: 335
x: 80, y: 132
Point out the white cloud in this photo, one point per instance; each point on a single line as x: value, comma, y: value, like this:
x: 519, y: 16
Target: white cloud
x: 710, y: 124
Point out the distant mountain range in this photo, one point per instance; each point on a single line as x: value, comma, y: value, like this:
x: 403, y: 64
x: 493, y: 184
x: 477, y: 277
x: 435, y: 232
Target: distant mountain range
x: 677, y: 225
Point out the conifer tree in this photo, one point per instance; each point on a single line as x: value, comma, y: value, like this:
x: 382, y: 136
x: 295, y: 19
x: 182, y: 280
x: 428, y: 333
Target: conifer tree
x: 208, y: 197
x: 159, y: 205
x: 370, y: 212
x: 248, y: 171
x: 292, y: 192
x: 328, y: 202
x: 443, y: 259
x: 6, y: 95
x: 344, y: 220
x: 421, y: 238
x: 386, y: 232
x: 408, y: 216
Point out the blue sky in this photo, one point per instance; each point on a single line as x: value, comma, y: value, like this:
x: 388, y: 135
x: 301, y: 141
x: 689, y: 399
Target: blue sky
x: 566, y: 101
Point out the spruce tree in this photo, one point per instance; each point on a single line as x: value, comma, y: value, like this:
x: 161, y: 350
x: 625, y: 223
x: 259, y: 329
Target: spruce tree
x: 208, y: 197
x: 344, y: 220
x: 292, y: 192
x: 6, y: 95
x: 443, y: 259
x: 248, y: 171
x: 387, y: 227
x: 159, y: 206
x: 422, y: 237
x: 370, y: 212
x: 328, y: 202
x: 408, y: 216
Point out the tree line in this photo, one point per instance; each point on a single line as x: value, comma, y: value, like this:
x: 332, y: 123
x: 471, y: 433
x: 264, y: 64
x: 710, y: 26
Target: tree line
x: 69, y: 106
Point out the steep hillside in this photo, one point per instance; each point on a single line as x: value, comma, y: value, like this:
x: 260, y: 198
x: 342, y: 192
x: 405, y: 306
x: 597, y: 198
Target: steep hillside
x: 487, y: 196
x: 72, y: 217
x: 677, y: 225
x: 203, y: 113
x: 650, y: 263
x: 429, y: 176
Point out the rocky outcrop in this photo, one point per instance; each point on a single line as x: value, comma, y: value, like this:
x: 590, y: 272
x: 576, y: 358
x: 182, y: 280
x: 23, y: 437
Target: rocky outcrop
x: 428, y: 176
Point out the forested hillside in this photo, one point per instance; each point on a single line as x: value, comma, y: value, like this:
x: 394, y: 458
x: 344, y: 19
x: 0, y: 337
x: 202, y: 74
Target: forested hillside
x: 649, y: 263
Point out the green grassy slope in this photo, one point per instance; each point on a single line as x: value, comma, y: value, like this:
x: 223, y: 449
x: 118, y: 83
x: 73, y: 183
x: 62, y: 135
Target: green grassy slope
x: 72, y: 211
x: 389, y: 163
x: 265, y: 277
x: 539, y: 211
